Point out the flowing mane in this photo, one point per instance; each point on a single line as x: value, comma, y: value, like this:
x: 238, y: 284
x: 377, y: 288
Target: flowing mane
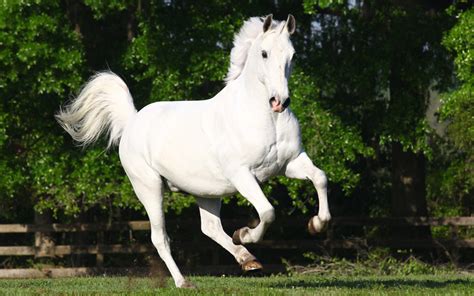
x: 242, y: 42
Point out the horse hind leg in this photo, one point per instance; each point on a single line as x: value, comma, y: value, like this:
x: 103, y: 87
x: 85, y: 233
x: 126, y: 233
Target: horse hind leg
x: 211, y: 226
x: 149, y: 188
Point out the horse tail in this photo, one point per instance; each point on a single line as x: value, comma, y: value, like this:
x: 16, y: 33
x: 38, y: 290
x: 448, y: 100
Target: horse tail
x: 104, y: 104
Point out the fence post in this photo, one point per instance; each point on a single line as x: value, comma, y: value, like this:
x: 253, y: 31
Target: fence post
x: 330, y: 238
x: 99, y: 257
x: 453, y: 229
x: 44, y: 243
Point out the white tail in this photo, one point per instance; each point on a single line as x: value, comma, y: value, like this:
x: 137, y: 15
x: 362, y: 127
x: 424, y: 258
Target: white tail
x: 104, y: 104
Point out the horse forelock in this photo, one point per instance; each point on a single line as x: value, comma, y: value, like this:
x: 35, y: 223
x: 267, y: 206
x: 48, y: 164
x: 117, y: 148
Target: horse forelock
x: 243, y: 41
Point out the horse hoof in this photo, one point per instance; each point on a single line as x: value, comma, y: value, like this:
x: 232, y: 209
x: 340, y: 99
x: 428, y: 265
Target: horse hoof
x: 315, y: 225
x: 251, y: 266
x: 188, y: 285
x: 236, y: 237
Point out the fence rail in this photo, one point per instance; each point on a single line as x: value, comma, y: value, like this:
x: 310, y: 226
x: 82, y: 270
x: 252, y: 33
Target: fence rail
x: 328, y: 242
x: 145, y: 225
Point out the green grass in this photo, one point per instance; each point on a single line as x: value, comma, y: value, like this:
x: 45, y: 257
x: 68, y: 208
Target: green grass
x: 447, y: 284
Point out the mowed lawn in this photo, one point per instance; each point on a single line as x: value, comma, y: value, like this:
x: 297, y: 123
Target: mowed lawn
x: 448, y: 284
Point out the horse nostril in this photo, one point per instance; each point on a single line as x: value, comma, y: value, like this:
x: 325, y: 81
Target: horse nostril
x: 286, y: 103
x: 272, y: 99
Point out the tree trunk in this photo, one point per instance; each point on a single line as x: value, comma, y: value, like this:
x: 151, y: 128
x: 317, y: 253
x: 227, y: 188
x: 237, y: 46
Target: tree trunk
x: 408, y: 183
x: 408, y: 191
x: 408, y: 196
x: 73, y: 11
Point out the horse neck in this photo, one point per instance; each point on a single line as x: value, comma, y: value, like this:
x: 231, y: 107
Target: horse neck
x: 252, y: 91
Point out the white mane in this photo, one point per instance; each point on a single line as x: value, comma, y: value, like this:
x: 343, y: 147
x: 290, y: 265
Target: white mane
x: 242, y: 42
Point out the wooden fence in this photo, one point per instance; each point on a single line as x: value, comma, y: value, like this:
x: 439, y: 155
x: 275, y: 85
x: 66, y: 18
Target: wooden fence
x: 329, y: 241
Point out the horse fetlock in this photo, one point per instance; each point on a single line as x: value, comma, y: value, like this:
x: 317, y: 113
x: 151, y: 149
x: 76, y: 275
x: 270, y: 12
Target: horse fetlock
x: 316, y: 225
x: 268, y: 216
x: 243, y: 256
x: 244, y: 236
x: 240, y: 236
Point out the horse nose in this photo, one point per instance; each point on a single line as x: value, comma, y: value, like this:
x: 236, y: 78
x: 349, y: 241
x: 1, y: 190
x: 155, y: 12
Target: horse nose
x: 286, y: 103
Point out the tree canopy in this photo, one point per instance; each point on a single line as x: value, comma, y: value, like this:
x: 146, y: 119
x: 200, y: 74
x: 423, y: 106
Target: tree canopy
x: 362, y: 82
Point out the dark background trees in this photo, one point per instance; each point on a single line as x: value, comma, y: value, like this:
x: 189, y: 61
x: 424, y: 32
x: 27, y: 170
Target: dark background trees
x: 366, y: 75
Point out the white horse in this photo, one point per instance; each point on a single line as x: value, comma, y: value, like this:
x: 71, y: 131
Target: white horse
x: 230, y: 143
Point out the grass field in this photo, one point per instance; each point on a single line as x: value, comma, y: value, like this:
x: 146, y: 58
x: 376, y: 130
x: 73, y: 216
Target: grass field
x: 448, y: 284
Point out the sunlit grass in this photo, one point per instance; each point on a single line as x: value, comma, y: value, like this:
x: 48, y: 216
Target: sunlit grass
x: 449, y: 284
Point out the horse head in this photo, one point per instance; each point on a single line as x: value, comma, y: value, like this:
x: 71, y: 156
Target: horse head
x: 274, y: 53
x: 263, y: 48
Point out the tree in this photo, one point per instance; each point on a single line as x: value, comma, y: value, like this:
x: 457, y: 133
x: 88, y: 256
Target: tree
x: 40, y: 62
x: 452, y: 180
x: 377, y: 62
x: 359, y: 88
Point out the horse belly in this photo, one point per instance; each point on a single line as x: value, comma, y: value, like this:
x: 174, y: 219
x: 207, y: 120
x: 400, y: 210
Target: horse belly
x: 195, y: 178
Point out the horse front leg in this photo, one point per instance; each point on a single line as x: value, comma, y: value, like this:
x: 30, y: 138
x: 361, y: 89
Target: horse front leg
x: 245, y: 182
x: 303, y: 168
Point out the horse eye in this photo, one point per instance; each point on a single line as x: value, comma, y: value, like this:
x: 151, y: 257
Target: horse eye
x: 264, y: 54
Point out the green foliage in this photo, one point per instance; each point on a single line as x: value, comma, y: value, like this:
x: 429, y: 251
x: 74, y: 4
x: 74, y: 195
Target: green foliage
x: 455, y: 178
x: 448, y: 182
x: 360, y: 84
x: 375, y: 68
x: 40, y: 62
x: 333, y: 146
x: 102, y: 8
x: 377, y: 262
x: 331, y: 143
x: 458, y: 105
x: 10, y: 179
x: 460, y: 41
x: 193, y: 63
x: 374, y: 63
x: 93, y: 179
x: 311, y: 6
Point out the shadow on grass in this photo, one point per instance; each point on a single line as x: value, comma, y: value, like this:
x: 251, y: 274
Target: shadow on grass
x: 369, y: 283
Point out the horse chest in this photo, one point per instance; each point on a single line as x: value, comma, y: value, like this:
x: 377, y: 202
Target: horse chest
x: 262, y: 142
x: 267, y: 166
x: 278, y: 154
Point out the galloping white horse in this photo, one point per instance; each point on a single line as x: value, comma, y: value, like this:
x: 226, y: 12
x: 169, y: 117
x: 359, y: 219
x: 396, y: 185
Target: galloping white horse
x: 230, y: 143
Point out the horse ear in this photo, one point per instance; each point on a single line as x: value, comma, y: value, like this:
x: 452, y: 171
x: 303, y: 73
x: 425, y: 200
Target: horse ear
x: 291, y: 24
x: 267, y: 23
